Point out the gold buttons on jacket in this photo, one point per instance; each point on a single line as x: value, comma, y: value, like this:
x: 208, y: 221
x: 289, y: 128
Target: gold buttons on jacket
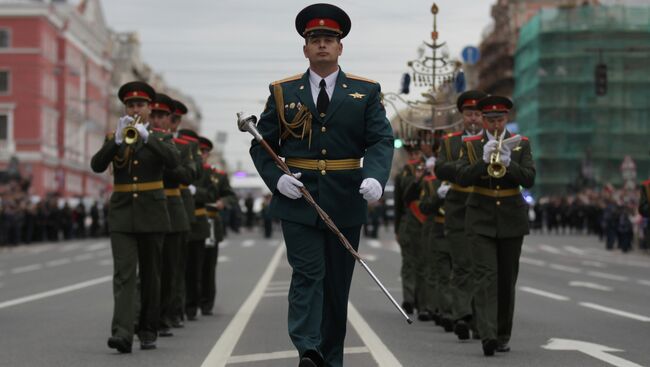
x: 135, y: 178
x: 135, y: 195
x: 323, y: 129
x: 498, y: 187
x: 323, y: 172
x: 323, y: 152
x: 498, y: 202
x: 135, y: 162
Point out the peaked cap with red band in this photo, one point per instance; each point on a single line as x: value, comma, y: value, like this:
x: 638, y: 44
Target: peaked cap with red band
x: 205, y: 143
x: 493, y: 106
x: 469, y: 100
x: 162, y: 102
x: 189, y: 135
x: 179, y: 108
x: 323, y: 20
x: 136, y: 90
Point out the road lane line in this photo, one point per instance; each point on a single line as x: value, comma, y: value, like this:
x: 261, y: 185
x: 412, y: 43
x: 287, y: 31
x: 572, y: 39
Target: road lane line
x: 96, y: 246
x: 288, y: 354
x: 248, y: 243
x: 223, y: 259
x: 54, y: 292
x: 574, y: 250
x: 70, y: 247
x: 596, y: 286
x: 599, y: 274
x: 59, y: 262
x: 223, y: 348
x: 549, y: 248
x: 276, y: 294
x: 374, y: 243
x: 644, y: 282
x: 25, y: 269
x: 379, y: 351
x: 529, y: 261
x: 615, y: 311
x: 569, y: 269
x: 595, y: 264
x: 539, y: 292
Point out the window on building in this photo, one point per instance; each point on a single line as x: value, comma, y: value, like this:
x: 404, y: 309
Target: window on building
x: 5, y: 38
x: 4, y: 128
x: 4, y: 81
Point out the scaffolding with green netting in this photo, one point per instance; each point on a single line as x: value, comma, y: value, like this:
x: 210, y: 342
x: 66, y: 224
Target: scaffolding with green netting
x: 571, y: 127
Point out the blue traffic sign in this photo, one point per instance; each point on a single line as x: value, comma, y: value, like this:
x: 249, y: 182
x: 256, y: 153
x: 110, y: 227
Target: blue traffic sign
x: 471, y: 55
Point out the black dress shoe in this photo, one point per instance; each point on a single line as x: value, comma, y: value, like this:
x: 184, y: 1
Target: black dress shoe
x: 503, y: 348
x: 461, y: 329
x: 178, y: 323
x: 489, y: 346
x: 191, y: 317
x: 476, y: 335
x: 311, y: 358
x: 207, y: 312
x: 408, y: 308
x: 435, y: 316
x: 148, y: 344
x: 447, y: 324
x: 121, y: 344
x: 165, y: 332
x: 424, y: 316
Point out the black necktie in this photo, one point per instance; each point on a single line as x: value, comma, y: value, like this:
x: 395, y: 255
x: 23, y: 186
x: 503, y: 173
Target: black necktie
x: 323, y: 100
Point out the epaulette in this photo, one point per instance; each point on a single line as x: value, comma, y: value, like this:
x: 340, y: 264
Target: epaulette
x: 181, y: 141
x: 525, y: 138
x: 449, y: 135
x: 291, y: 78
x: 356, y: 77
x: 473, y: 137
x: 646, y: 182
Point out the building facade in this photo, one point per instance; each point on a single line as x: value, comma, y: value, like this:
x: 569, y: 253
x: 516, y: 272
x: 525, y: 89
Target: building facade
x: 578, y: 136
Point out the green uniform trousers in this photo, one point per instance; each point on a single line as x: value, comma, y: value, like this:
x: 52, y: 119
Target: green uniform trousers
x: 133, y: 251
x: 409, y: 235
x: 209, y: 278
x: 193, y: 272
x: 496, y: 266
x: 170, y: 276
x: 441, y: 273
x: 320, y: 285
x: 178, y: 300
x: 462, y: 281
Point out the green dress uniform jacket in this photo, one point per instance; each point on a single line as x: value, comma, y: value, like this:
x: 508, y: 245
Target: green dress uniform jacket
x: 172, y: 179
x: 446, y: 169
x: 354, y: 127
x: 402, y: 180
x: 489, y: 212
x: 138, y: 211
x: 206, y: 193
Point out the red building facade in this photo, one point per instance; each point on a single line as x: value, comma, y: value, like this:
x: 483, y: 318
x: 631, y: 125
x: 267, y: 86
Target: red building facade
x: 55, y: 80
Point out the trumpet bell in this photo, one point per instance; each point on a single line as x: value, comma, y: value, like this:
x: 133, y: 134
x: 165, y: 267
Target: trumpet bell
x: 496, y: 170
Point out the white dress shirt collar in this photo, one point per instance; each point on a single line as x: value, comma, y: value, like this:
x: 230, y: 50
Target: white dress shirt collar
x: 330, y: 83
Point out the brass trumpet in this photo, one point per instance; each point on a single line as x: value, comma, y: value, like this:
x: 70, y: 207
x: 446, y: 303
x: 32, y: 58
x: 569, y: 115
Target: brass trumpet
x: 496, y: 168
x: 130, y: 133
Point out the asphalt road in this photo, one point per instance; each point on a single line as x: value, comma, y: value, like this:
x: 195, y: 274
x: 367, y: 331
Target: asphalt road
x: 577, y: 305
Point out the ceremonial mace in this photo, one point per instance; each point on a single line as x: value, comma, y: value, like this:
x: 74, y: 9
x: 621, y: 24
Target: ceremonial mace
x: 247, y: 124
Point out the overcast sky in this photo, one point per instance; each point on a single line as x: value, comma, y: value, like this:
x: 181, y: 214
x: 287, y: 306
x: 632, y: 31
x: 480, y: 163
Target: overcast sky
x: 224, y: 53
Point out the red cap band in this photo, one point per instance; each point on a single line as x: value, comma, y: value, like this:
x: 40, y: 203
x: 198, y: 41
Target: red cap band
x: 189, y: 138
x: 160, y: 107
x: 470, y: 102
x: 495, y: 107
x: 204, y: 146
x: 322, y: 23
x: 137, y: 94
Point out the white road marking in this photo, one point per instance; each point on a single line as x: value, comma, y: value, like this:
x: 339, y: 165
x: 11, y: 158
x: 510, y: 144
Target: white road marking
x: 248, y: 243
x: 223, y: 259
x: 569, y: 269
x: 614, y: 311
x: 223, y: 348
x: 369, y: 257
x: 597, y: 351
x: 595, y: 264
x: 84, y: 257
x: 379, y: 351
x: 374, y: 243
x: 59, y: 262
x: 529, y: 261
x: 96, y: 246
x: 644, y: 282
x: 599, y: 274
x: 528, y: 249
x: 288, y: 354
x: 25, y: 269
x: 224, y: 244
x: 574, y: 250
x: 55, y: 292
x: 576, y: 283
x: 549, y: 248
x: 546, y: 294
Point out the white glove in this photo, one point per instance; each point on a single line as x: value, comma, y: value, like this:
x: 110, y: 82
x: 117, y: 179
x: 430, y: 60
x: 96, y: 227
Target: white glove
x: 142, y: 130
x: 443, y: 189
x: 289, y: 186
x: 192, y: 189
x: 488, y: 149
x: 370, y: 189
x: 121, y: 124
x: 430, y: 163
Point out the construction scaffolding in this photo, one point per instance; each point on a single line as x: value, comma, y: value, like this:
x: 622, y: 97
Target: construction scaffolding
x: 570, y: 127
